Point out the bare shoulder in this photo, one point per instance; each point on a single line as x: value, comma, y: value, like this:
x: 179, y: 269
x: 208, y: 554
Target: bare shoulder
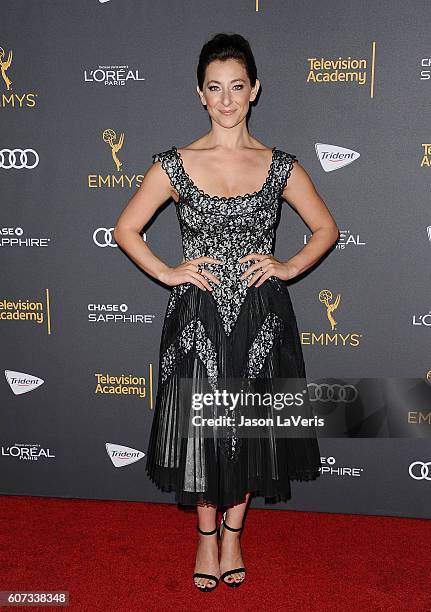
x: 155, y: 171
x: 299, y: 185
x: 157, y: 180
x: 298, y: 177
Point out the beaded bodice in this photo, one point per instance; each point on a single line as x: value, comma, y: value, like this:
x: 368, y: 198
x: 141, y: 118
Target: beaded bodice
x: 226, y: 228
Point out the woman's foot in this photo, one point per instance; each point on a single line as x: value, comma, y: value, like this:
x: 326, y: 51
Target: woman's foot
x: 230, y: 556
x: 207, y: 560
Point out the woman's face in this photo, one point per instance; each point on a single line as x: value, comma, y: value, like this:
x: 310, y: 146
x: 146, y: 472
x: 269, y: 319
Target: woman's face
x: 227, y: 91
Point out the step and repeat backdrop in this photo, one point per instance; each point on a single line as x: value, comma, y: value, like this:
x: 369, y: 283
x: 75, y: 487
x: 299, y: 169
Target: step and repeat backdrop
x: 89, y: 91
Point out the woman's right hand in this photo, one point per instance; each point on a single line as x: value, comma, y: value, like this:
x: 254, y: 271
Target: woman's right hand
x: 187, y: 272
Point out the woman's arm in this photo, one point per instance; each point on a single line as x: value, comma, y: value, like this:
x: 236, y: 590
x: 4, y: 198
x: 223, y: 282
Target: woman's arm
x: 302, y: 195
x: 154, y: 190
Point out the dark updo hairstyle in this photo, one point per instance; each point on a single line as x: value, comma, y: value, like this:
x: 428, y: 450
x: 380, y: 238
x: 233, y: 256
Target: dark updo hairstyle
x: 225, y: 46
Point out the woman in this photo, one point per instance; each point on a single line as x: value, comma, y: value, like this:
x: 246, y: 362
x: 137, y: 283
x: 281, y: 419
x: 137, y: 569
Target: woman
x: 229, y: 313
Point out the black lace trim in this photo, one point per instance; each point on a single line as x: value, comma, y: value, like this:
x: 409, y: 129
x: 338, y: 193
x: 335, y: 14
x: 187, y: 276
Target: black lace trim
x: 292, y: 159
x: 278, y: 174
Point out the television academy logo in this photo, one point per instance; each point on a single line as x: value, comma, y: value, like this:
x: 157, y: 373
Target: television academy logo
x: 347, y: 70
x: 20, y: 382
x: 125, y: 385
x: 123, y: 455
x: 426, y: 157
x: 27, y: 310
x: 332, y: 157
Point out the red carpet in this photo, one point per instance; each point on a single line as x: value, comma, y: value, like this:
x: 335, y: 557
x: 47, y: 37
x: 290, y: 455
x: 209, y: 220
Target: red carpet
x: 131, y: 556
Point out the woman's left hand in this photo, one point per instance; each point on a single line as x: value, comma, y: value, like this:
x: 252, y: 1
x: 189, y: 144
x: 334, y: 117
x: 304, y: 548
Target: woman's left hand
x: 266, y: 266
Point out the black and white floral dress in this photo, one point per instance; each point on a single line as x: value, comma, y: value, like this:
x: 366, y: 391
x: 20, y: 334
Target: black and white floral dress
x: 234, y: 332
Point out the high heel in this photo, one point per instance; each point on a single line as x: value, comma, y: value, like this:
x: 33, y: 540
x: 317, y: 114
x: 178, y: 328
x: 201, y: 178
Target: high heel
x: 200, y: 574
x: 237, y: 569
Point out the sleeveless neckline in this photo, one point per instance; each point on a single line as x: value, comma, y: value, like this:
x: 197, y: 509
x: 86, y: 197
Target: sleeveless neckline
x: 226, y: 198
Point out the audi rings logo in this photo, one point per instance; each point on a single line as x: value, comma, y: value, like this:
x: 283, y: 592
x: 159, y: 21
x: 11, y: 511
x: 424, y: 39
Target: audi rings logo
x: 18, y: 158
x: 332, y: 393
x: 419, y: 470
x: 104, y: 237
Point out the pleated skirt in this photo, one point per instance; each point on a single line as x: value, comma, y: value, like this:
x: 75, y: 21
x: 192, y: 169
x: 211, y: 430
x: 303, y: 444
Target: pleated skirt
x: 263, y: 345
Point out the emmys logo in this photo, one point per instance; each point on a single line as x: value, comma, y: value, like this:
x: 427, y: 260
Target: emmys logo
x: 332, y: 157
x: 115, y: 144
x: 325, y: 296
x: 332, y: 338
x: 11, y: 99
x: 414, y: 417
x: 4, y: 67
x: 109, y: 136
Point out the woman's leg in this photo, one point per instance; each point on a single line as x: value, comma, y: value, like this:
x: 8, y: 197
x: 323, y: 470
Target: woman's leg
x: 230, y: 545
x: 207, y: 551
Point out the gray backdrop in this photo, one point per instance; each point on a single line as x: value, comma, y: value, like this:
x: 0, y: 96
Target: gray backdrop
x: 56, y: 252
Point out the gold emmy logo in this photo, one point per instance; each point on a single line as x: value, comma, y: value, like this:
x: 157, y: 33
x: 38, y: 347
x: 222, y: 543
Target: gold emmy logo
x: 428, y: 376
x: 109, y: 136
x: 117, y: 178
x: 331, y: 337
x: 9, y: 98
x: 325, y: 296
x: 5, y: 66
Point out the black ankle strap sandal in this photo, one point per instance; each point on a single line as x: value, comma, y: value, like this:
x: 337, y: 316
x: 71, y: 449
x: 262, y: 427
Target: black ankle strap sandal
x: 237, y: 569
x: 200, y: 574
